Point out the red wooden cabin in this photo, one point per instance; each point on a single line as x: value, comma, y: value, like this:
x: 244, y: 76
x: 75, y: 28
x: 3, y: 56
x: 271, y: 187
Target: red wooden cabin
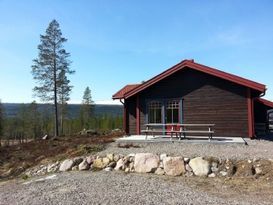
x: 193, y: 93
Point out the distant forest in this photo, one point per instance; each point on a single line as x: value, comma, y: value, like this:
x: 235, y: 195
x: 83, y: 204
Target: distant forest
x: 33, y: 121
x: 73, y: 110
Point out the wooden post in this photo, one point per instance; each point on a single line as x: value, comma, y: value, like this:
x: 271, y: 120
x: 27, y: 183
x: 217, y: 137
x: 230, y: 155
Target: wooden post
x: 137, y: 116
x: 124, y: 118
x: 250, y: 114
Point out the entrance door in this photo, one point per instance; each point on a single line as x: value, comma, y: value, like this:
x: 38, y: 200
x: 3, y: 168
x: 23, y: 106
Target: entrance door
x: 172, y: 114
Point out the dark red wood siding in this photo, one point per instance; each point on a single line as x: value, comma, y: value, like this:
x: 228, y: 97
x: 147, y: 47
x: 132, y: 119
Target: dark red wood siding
x: 131, y: 115
x: 206, y: 99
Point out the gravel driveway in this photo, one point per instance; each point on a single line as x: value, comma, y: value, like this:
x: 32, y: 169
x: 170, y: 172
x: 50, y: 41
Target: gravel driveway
x: 117, y: 188
x: 254, y: 149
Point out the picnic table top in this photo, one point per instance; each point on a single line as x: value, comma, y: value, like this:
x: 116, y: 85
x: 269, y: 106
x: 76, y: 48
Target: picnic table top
x: 177, y: 124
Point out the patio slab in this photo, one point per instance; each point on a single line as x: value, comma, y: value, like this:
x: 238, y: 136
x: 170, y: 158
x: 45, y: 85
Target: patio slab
x: 189, y: 139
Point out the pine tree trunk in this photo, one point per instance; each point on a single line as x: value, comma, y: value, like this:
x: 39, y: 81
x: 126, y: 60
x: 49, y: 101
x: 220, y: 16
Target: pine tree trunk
x: 55, y: 98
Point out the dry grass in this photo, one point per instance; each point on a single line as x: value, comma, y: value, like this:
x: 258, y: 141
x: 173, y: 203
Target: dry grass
x: 17, y: 158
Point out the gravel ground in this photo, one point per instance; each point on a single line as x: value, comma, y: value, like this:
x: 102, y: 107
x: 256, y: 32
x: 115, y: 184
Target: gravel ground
x: 255, y: 149
x: 120, y: 188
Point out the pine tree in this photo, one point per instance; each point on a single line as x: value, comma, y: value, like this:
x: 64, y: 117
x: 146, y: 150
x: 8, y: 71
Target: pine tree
x: 63, y: 94
x: 33, y: 121
x: 87, y: 108
x: 51, y: 67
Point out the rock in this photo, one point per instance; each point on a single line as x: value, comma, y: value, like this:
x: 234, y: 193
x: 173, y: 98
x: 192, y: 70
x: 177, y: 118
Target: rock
x: 159, y: 171
x: 131, y: 166
x: 84, y: 165
x: 131, y: 159
x: 106, y: 161
x: 53, y: 167
x: 75, y: 168
x: 42, y: 171
x: 223, y: 173
x: 228, y: 167
x: 211, y: 175
x: 200, y: 166
x: 244, y: 169
x: 112, y: 164
x: 146, y: 162
x: 188, y: 168
x: 162, y: 156
x: 119, y: 164
x: 108, y: 169
x: 101, y: 163
x: 188, y: 174
x: 258, y: 170
x: 161, y: 164
x: 127, y: 170
x: 77, y: 160
x: 66, y: 165
x: 214, y: 169
x: 110, y: 157
x: 132, y: 155
x: 90, y: 159
x: 174, y: 166
x: 116, y: 157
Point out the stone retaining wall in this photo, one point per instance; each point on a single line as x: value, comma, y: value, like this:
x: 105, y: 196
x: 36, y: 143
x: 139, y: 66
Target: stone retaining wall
x: 161, y: 165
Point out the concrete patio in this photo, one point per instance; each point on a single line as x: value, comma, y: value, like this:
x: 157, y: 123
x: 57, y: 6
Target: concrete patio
x: 188, y: 139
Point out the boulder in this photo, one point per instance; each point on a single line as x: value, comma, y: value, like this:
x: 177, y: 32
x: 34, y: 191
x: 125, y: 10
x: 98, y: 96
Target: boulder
x: 90, y: 159
x: 159, y: 171
x: 77, y: 160
x: 116, y: 157
x: 101, y: 163
x: 84, y: 165
x: 174, y: 166
x: 146, y: 162
x: 119, y: 164
x: 188, y: 168
x: 212, y: 175
x: 162, y: 156
x: 200, y: 166
x: 108, y: 169
x: 75, y: 168
x: 110, y: 157
x: 112, y: 164
x: 66, y: 165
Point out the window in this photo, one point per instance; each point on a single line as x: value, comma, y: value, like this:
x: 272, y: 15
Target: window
x: 155, y: 112
x: 172, y: 111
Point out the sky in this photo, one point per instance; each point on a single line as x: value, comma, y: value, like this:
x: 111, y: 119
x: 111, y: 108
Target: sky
x: 118, y: 42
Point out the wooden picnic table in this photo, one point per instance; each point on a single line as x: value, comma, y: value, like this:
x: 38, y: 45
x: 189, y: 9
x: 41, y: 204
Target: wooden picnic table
x: 178, y: 129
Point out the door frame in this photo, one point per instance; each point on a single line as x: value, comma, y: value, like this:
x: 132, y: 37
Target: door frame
x: 163, y: 110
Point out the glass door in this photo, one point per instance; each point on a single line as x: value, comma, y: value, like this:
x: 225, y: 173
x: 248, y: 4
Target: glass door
x: 172, y: 114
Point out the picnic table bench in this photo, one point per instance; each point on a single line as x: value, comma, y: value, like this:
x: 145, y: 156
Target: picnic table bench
x: 178, y: 129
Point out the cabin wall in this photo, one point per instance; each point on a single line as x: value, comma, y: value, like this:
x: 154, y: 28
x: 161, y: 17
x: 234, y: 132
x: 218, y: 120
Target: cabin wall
x: 131, y: 115
x: 206, y: 99
x: 260, y: 112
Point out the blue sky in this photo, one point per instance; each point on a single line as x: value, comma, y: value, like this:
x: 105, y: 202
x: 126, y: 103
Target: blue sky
x: 117, y: 42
